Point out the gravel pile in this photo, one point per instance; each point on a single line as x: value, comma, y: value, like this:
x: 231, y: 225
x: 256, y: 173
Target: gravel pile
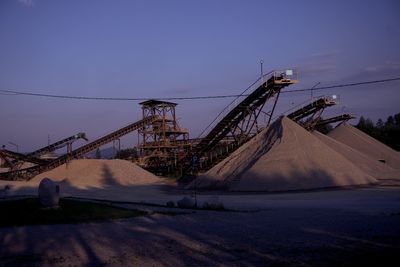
x: 280, y: 158
x: 367, y: 145
x: 84, y: 173
x: 369, y: 165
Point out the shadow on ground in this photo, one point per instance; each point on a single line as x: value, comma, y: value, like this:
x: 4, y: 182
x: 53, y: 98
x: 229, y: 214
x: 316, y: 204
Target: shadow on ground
x: 287, y: 236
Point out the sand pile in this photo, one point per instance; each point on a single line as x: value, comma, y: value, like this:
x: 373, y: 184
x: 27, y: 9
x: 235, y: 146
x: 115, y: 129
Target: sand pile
x: 94, y: 173
x: 367, y: 145
x: 373, y: 167
x: 283, y: 157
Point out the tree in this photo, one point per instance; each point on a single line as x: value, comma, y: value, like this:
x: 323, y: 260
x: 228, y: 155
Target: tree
x: 389, y: 121
x: 365, y: 125
x: 129, y: 153
x: 361, y: 123
x: 388, y: 132
x: 379, y: 124
x: 397, y: 119
x: 369, y: 124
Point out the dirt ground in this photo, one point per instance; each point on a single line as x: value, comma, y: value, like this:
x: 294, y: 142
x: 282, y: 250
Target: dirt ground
x: 357, y: 227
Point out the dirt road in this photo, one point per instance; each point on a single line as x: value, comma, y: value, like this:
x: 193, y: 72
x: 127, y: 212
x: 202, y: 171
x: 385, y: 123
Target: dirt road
x: 339, y: 229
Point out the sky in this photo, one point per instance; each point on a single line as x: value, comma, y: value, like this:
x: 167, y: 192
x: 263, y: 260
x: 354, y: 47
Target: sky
x: 155, y: 49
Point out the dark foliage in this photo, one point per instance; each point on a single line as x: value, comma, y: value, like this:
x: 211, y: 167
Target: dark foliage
x: 129, y: 153
x: 29, y: 212
x: 387, y: 132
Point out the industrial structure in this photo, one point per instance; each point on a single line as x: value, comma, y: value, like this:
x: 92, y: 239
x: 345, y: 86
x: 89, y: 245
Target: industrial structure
x: 164, y: 146
x: 30, y: 172
x: 340, y: 118
x: 240, y: 121
x: 14, y: 160
x: 163, y: 141
x: 310, y: 115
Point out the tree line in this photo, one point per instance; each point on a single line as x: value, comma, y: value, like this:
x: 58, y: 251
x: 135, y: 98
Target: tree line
x: 387, y: 132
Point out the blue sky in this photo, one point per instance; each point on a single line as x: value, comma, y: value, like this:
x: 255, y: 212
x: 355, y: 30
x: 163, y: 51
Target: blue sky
x: 184, y: 48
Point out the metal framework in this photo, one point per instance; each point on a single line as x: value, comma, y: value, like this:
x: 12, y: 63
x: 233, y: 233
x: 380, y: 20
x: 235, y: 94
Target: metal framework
x: 59, y: 144
x: 240, y: 122
x: 308, y: 115
x: 162, y: 141
x: 15, y: 160
x: 340, y: 118
x: 81, y: 151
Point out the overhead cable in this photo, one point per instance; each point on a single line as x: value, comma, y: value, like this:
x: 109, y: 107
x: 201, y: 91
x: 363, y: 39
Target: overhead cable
x: 18, y: 93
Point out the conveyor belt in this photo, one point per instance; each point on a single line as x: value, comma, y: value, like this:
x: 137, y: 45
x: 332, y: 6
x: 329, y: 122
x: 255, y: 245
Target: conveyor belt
x: 21, y: 157
x: 342, y: 118
x: 31, y: 172
x: 256, y: 99
x: 311, y: 108
x: 241, y: 117
x: 57, y: 145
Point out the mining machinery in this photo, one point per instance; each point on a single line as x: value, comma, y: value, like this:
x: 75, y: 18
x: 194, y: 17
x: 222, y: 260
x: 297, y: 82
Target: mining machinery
x: 340, y: 118
x: 162, y: 141
x: 239, y: 121
x: 234, y: 126
x: 308, y: 115
x: 59, y: 144
x: 15, y: 160
x: 30, y: 172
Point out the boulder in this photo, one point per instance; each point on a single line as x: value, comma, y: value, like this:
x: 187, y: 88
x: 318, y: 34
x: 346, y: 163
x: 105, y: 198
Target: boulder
x: 49, y: 193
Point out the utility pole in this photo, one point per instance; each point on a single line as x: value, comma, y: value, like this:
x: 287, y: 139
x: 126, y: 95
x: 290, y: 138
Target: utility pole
x: 315, y: 85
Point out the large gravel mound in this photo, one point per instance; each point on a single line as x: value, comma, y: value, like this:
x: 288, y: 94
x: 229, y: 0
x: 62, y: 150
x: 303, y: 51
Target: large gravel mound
x: 84, y: 173
x: 364, y: 143
x: 283, y: 157
x: 373, y: 167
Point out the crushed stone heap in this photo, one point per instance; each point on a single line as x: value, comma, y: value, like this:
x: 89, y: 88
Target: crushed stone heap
x: 375, y: 168
x: 367, y: 145
x: 282, y: 157
x: 85, y: 173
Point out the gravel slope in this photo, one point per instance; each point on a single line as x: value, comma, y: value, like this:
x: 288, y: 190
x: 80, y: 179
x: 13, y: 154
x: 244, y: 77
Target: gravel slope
x: 280, y: 158
x: 367, y: 145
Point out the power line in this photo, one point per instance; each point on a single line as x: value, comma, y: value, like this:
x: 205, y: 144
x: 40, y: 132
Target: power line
x: 17, y: 93
x: 343, y: 85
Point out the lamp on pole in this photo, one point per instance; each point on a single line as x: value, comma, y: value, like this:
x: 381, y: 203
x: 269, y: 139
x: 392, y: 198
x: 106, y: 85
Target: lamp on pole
x: 315, y: 85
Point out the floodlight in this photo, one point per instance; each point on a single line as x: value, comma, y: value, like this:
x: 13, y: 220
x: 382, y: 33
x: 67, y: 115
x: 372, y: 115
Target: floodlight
x: 289, y: 72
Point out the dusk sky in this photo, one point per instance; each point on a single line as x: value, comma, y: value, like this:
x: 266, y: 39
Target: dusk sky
x: 155, y: 49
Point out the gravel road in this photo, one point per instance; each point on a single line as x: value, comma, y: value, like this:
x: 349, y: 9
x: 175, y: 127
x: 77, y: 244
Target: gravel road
x: 337, y: 230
